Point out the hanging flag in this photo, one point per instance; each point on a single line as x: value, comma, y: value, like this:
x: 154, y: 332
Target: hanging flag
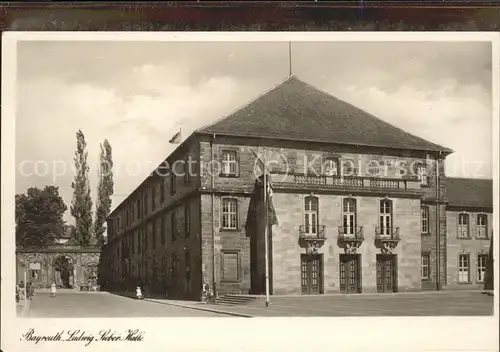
x: 259, y: 161
x: 271, y: 214
x: 176, y: 139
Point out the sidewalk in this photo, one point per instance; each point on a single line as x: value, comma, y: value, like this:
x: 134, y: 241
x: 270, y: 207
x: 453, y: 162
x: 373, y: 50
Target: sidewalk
x: 196, y: 305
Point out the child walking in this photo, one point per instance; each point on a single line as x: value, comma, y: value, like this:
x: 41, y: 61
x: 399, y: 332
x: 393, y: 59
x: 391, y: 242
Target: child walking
x: 138, y: 292
x: 53, y: 289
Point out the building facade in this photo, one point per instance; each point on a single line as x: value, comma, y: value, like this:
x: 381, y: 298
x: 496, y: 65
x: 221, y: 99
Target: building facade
x: 64, y: 262
x: 361, y: 206
x: 469, y: 218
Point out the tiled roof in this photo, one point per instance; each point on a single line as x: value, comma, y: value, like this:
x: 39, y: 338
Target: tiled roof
x: 295, y: 110
x: 469, y: 192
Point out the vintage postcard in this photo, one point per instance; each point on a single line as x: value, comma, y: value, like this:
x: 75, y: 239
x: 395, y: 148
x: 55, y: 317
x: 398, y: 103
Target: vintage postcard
x: 338, y: 185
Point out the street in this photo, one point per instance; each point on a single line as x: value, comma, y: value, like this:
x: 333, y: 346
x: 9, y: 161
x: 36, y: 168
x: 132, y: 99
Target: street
x: 444, y: 303
x: 102, y: 305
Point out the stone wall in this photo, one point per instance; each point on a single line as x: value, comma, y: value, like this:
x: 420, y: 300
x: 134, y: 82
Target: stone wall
x: 83, y: 261
x: 286, y: 248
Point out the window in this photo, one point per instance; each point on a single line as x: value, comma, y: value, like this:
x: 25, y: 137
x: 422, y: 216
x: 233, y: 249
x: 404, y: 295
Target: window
x: 35, y: 271
x: 330, y: 167
x: 173, y: 225
x: 154, y: 234
x: 349, y: 216
x: 187, y: 220
x: 425, y: 267
x: 311, y: 215
x: 422, y: 174
x: 187, y: 170
x: 229, y: 214
x: 162, y: 192
x: 385, y: 217
x: 173, y: 180
x: 174, y: 268
x: 187, y: 259
x: 463, y: 225
x: 481, y: 222
x: 463, y: 268
x: 424, y: 218
x: 163, y: 229
x: 229, y: 163
x: 153, y: 198
x: 349, y: 168
x: 230, y: 266
x: 482, y: 259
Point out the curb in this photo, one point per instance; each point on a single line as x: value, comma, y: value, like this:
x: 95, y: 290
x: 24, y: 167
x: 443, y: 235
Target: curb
x: 241, y: 315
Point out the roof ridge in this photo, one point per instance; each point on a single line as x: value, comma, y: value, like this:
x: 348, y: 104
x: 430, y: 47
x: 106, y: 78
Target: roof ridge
x: 373, y: 116
x: 244, y: 105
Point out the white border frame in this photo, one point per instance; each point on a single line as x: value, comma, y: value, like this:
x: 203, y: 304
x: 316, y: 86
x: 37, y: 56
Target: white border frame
x: 406, y: 333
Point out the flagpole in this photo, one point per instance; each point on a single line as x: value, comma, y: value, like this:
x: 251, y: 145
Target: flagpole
x: 289, y: 58
x: 266, y: 234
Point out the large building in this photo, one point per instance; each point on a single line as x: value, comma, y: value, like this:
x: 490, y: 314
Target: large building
x: 361, y: 206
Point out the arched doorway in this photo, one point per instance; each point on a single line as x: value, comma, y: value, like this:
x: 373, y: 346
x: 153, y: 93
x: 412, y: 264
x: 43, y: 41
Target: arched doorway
x: 90, y: 274
x: 63, y: 266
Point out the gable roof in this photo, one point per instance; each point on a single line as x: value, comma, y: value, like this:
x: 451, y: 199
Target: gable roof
x: 295, y: 110
x: 470, y: 192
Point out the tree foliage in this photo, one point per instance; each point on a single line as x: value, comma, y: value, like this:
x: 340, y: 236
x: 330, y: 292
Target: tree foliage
x: 39, y: 217
x: 81, y: 205
x: 104, y: 192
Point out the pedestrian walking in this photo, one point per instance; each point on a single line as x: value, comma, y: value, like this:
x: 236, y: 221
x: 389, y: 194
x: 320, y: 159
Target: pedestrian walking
x: 29, y: 290
x: 53, y: 289
x: 138, y: 293
x: 21, y: 290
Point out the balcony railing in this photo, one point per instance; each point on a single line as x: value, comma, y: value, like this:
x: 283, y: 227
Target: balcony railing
x: 351, y: 233
x: 312, y: 232
x: 359, y: 182
x: 387, y: 234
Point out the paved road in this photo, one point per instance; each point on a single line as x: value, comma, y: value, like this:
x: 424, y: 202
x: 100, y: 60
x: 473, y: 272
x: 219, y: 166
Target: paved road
x: 103, y: 305
x: 448, y: 303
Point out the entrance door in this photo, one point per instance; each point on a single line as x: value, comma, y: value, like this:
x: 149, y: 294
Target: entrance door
x: 387, y: 273
x: 350, y: 273
x: 312, y: 273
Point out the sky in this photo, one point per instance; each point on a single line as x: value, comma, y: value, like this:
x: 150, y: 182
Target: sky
x: 139, y: 94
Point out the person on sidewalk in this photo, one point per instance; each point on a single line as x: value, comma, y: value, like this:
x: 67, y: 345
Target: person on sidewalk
x: 138, y: 293
x: 29, y: 290
x: 53, y: 289
x: 22, y: 291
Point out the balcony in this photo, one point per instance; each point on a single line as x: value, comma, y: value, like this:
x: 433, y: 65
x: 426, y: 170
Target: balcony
x: 350, y: 238
x: 311, y: 237
x: 354, y: 183
x: 387, y: 238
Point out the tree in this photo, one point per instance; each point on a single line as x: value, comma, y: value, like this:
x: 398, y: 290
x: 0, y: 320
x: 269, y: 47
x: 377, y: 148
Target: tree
x: 81, y: 205
x: 104, y: 191
x: 39, y: 217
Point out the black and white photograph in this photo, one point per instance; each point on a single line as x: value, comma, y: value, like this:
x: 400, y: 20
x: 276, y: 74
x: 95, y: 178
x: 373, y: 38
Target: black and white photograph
x: 256, y: 178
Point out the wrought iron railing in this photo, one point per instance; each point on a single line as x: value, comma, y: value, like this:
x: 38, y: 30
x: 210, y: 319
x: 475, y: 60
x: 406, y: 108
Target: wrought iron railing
x: 387, y: 233
x: 312, y: 232
x: 351, y: 233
